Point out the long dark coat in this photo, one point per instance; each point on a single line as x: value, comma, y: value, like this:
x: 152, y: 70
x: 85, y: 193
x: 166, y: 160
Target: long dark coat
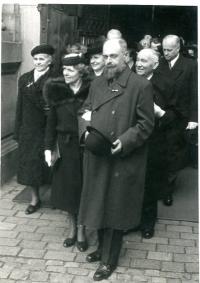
x: 29, y: 130
x: 62, y: 127
x: 113, y: 186
x: 184, y: 75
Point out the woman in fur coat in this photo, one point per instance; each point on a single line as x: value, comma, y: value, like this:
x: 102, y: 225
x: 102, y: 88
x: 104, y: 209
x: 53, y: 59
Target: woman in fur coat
x: 30, y: 123
x: 65, y: 96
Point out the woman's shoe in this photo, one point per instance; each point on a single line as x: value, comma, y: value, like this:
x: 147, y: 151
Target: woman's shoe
x: 33, y: 208
x: 82, y: 246
x: 69, y: 242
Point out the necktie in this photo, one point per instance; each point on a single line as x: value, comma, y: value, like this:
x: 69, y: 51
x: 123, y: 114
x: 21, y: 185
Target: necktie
x: 170, y: 65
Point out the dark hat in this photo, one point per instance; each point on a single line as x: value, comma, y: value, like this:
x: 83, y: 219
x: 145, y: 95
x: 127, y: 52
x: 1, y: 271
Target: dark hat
x: 73, y: 59
x: 97, y: 143
x: 43, y: 49
x: 95, y: 49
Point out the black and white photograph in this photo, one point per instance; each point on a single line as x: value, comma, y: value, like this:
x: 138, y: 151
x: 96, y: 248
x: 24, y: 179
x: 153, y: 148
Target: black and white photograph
x: 99, y: 142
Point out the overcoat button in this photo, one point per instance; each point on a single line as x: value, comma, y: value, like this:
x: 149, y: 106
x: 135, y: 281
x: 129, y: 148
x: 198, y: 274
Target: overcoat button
x: 113, y: 112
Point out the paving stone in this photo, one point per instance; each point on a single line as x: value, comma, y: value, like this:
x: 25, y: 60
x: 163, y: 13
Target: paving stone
x: 7, y: 226
x: 145, y: 263
x: 189, y: 236
x: 140, y: 278
x: 54, y: 262
x: 160, y: 256
x: 158, y: 280
x: 82, y: 279
x: 4, y: 274
x: 170, y: 249
x: 170, y: 280
x: 30, y: 236
x: 56, y: 268
x: 136, y: 254
x: 77, y: 271
x: 172, y: 266
x: 72, y: 264
x: 8, y: 234
x: 9, y: 251
x: 17, y: 220
x: 186, y: 258
x: 179, y: 228
x: 152, y: 272
x: 66, y: 256
x: 160, y: 227
x: 191, y: 250
x: 156, y: 240
x: 9, y: 242
x: 34, y: 264
x: 188, y: 223
x: 175, y: 274
x: 167, y: 234
x: 19, y: 274
x: 25, y: 228
x: 37, y: 214
x: 61, y: 278
x: 192, y: 267
x: 39, y: 276
x: 6, y: 280
x: 38, y: 245
x: 182, y: 242
x: 140, y: 246
x: 7, y: 204
x: 51, y: 230
x: 170, y: 222
x: 32, y: 253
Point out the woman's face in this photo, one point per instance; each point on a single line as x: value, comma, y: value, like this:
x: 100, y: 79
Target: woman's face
x: 41, y: 61
x: 97, y: 62
x: 71, y: 74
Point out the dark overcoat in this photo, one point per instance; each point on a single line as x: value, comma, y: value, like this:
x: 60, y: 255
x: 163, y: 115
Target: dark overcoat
x: 30, y: 123
x: 113, y: 185
x: 184, y: 75
x: 62, y: 127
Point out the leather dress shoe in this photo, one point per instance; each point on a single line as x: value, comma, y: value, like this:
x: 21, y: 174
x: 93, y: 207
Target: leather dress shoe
x: 103, y: 272
x: 82, y: 246
x: 33, y: 208
x: 148, y: 233
x: 168, y: 200
x: 69, y: 242
x: 93, y: 257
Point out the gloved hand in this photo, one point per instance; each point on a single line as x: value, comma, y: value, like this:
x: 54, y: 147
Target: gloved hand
x: 47, y: 154
x: 191, y: 125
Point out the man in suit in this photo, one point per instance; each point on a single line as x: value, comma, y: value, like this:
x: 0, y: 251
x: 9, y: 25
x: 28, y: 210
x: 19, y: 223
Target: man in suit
x: 158, y: 160
x: 184, y: 72
x: 121, y: 106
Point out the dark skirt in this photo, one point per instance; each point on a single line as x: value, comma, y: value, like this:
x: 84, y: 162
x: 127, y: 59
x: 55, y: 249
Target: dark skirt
x: 32, y: 168
x: 67, y: 175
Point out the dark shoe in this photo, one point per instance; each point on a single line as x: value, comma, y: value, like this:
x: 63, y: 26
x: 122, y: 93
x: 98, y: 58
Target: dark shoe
x: 103, y: 272
x: 93, y: 257
x: 33, y: 208
x: 82, y: 246
x: 168, y: 200
x: 147, y: 233
x: 69, y: 242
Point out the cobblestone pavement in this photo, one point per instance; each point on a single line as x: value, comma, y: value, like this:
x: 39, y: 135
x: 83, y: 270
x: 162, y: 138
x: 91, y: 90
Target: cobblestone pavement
x: 31, y: 249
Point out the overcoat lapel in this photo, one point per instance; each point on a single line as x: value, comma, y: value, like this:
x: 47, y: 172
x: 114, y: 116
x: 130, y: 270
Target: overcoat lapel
x: 107, y: 92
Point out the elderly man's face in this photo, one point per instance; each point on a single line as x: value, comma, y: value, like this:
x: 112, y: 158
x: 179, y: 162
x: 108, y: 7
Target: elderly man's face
x: 144, y: 64
x: 114, y: 59
x: 170, y: 49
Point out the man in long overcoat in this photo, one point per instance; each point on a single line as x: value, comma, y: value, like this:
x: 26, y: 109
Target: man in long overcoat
x: 184, y: 73
x: 121, y: 105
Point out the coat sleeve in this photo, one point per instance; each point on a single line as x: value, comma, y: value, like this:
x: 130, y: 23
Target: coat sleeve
x: 51, y: 132
x: 136, y: 136
x: 18, y: 114
x: 193, y: 111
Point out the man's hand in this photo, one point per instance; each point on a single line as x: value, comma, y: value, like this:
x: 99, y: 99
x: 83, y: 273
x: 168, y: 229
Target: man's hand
x: 158, y: 111
x: 47, y: 154
x: 86, y: 134
x: 118, y: 147
x: 191, y: 125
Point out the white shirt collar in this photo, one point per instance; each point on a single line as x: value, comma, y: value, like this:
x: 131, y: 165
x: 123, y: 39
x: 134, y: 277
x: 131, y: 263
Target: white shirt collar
x: 173, y: 61
x: 149, y: 77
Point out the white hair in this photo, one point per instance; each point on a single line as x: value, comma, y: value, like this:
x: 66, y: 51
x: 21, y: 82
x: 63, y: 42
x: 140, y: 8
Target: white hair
x: 174, y: 38
x: 154, y: 55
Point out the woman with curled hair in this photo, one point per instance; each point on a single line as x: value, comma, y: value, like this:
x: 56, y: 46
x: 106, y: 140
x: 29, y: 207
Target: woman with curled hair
x: 65, y: 96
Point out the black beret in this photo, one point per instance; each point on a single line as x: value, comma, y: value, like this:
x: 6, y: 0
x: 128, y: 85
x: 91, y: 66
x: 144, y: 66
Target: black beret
x: 43, y: 49
x: 97, y: 143
x: 73, y: 59
x: 95, y: 49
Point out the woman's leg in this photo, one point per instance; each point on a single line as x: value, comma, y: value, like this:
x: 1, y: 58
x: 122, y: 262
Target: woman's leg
x: 72, y: 234
x: 82, y: 244
x: 35, y: 200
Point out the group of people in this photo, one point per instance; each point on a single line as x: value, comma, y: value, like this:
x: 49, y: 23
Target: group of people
x: 112, y: 128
